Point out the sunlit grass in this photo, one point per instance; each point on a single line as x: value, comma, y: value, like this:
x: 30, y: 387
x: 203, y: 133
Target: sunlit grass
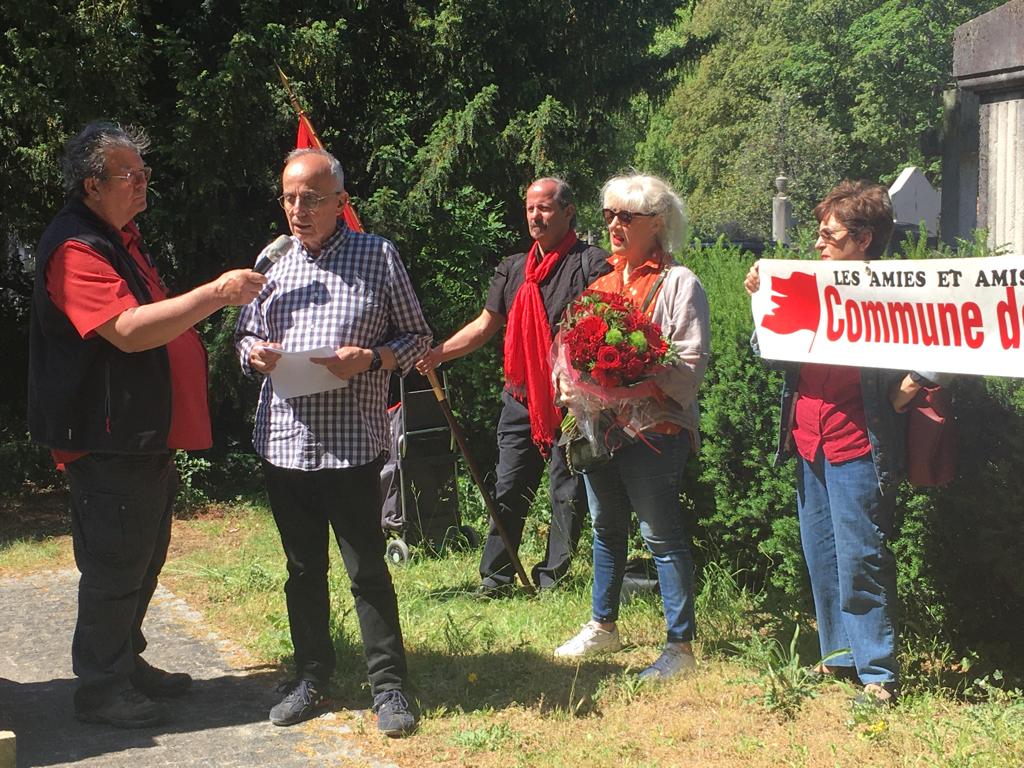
x: 32, y: 554
x: 492, y: 694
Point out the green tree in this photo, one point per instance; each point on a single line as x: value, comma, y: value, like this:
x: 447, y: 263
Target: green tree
x: 440, y: 111
x: 859, y: 83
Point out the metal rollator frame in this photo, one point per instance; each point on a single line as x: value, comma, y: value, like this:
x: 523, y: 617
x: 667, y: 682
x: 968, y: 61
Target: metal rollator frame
x: 422, y: 417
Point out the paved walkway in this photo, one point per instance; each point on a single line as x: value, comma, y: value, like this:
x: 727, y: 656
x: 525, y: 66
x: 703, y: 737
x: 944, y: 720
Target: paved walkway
x: 222, y: 722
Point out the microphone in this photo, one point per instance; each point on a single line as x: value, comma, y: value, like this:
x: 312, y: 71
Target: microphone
x: 270, y: 255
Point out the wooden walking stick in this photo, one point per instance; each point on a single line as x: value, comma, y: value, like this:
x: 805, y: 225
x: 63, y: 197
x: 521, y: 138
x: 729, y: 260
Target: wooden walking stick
x: 492, y: 508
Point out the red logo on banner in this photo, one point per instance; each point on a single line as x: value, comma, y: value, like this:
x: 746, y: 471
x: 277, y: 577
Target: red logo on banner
x: 796, y: 304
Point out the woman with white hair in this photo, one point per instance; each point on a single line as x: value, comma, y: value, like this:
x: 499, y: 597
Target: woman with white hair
x: 646, y: 223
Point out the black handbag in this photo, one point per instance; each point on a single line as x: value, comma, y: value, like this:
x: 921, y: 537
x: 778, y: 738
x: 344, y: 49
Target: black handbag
x: 581, y: 455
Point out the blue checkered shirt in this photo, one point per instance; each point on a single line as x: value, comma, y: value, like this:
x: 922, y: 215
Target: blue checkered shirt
x: 355, y: 293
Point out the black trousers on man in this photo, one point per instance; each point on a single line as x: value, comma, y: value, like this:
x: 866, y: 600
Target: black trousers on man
x: 520, y: 466
x: 348, y: 500
x: 121, y: 528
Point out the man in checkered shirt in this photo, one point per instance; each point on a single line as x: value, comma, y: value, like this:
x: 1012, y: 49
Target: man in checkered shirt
x: 322, y: 453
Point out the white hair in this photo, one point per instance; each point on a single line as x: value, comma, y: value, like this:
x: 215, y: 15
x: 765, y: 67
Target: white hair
x: 649, y: 194
x: 335, y: 166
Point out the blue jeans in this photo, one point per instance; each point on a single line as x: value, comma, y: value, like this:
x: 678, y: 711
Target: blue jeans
x: 648, y: 483
x: 845, y: 522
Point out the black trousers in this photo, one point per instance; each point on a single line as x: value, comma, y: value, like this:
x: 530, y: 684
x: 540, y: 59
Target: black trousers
x: 121, y: 528
x: 520, y: 466
x: 304, y: 504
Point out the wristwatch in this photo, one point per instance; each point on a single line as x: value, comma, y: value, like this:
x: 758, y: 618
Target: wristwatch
x: 375, y: 361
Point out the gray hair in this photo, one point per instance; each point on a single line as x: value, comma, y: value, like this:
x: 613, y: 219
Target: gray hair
x: 563, y: 192
x: 649, y: 194
x: 85, y: 153
x: 335, y: 166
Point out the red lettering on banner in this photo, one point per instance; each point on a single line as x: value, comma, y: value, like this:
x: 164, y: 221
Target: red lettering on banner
x: 972, y: 322
x: 834, y: 331
x: 1009, y: 325
x: 929, y: 324
x: 929, y: 330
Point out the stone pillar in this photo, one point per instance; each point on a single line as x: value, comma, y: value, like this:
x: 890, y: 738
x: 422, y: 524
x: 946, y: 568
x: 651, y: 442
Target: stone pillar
x: 960, y: 174
x: 988, y: 64
x: 1001, y: 179
x: 782, y: 211
x: 8, y: 753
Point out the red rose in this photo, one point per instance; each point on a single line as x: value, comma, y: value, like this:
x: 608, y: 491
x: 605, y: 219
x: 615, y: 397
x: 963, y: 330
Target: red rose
x: 606, y: 378
x: 607, y: 358
x: 591, y: 327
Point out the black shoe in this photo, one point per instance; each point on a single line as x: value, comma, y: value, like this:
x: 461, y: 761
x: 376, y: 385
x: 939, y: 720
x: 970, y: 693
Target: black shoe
x: 127, y: 708
x: 394, y: 718
x: 156, y: 683
x: 303, y: 700
x: 488, y: 591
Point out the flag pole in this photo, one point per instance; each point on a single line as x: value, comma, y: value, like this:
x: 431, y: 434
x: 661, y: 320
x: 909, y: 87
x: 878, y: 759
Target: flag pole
x: 348, y: 213
x: 298, y: 107
x: 491, y: 506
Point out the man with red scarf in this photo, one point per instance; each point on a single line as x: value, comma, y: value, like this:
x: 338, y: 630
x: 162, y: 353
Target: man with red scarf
x: 529, y: 293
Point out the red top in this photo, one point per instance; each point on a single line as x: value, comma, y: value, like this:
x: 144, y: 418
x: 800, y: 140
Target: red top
x: 85, y: 287
x: 830, y: 413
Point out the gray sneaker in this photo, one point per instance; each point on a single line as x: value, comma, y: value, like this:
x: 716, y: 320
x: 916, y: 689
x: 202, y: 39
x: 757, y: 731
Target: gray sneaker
x: 303, y: 700
x: 394, y: 718
x: 672, y: 662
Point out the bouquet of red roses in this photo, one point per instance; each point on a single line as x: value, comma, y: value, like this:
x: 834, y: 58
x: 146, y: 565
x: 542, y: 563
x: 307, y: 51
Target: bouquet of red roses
x: 608, y: 351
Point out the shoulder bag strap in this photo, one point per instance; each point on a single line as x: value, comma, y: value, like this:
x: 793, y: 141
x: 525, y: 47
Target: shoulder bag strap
x: 654, y: 290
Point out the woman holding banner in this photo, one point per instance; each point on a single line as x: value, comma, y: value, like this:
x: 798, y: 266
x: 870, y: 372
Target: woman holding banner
x: 848, y: 432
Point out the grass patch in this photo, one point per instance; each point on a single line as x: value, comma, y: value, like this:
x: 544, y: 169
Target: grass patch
x: 492, y: 694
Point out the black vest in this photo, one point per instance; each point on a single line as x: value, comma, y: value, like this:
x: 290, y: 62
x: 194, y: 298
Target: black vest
x: 86, y: 394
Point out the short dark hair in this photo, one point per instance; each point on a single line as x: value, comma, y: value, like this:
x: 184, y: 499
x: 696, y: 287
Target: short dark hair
x: 563, y: 192
x: 85, y: 153
x: 860, y: 207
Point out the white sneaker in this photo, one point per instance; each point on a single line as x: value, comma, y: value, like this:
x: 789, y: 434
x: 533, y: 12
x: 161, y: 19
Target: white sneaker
x: 673, y: 661
x: 590, y: 640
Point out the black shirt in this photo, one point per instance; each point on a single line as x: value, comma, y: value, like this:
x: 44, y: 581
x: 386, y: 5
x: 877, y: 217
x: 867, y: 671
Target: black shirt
x: 581, y: 266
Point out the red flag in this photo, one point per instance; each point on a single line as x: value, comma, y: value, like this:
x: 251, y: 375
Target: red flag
x: 306, y: 138
x: 796, y: 304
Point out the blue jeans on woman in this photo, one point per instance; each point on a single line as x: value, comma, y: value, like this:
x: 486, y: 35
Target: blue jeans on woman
x: 845, y: 524
x: 637, y: 479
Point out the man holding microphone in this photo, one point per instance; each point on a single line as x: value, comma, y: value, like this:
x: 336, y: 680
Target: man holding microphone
x: 117, y: 383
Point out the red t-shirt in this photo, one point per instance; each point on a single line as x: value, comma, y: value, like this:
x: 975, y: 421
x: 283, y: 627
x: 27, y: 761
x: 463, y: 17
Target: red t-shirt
x: 85, y: 287
x: 830, y: 413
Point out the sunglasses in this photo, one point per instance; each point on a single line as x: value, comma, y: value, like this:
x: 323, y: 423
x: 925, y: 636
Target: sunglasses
x: 625, y: 217
x: 832, y: 235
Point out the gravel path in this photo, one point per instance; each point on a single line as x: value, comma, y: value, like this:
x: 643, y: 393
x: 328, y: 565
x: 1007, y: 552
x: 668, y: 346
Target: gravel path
x: 222, y: 722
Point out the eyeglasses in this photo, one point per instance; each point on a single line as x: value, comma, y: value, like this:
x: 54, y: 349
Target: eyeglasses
x: 308, y: 200
x: 138, y: 176
x: 625, y: 217
x: 832, y: 236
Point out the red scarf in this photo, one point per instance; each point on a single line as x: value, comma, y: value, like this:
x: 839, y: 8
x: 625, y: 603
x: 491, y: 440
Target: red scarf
x: 528, y: 345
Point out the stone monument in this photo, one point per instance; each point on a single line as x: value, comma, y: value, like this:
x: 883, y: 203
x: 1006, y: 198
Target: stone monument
x: 983, y: 158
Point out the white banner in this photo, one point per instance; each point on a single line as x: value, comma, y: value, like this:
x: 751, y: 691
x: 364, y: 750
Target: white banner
x: 949, y: 315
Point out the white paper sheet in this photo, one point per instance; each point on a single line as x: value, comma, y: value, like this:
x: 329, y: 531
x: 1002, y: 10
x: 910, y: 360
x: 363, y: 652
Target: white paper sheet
x: 294, y: 375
